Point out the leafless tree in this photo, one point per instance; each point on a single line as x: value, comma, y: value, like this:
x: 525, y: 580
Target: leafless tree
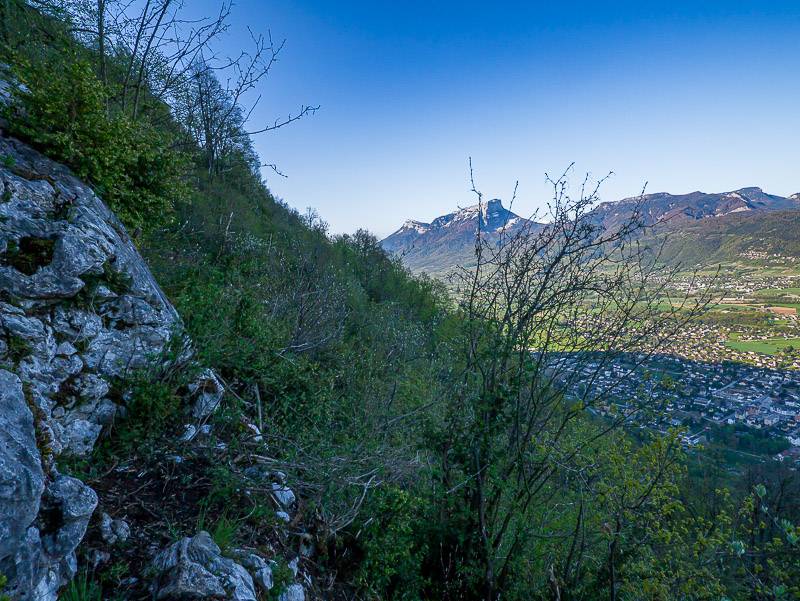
x: 547, y: 313
x: 162, y: 54
x: 212, y: 104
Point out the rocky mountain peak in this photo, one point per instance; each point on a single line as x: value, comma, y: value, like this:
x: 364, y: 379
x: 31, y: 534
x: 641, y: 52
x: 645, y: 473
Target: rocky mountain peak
x: 455, y: 232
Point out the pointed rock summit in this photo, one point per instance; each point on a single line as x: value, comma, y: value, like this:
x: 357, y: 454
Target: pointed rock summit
x: 449, y: 240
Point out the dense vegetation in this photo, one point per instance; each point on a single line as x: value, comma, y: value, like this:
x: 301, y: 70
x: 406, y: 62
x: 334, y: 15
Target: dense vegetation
x: 729, y: 238
x: 374, y: 391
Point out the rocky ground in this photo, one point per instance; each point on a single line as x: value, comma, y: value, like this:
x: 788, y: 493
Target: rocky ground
x: 80, y: 318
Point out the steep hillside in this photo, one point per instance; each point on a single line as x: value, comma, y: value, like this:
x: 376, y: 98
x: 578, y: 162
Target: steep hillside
x: 257, y: 410
x: 752, y: 236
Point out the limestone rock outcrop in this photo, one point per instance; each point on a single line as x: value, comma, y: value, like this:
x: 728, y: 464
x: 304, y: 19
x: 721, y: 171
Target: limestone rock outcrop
x: 79, y: 309
x: 194, y: 568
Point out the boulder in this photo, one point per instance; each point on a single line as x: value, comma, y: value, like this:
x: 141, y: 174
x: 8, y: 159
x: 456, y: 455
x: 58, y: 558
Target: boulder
x: 194, y: 568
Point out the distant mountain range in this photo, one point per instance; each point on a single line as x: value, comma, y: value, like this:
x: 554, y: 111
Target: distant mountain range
x: 449, y: 240
x: 687, y: 208
x: 703, y: 227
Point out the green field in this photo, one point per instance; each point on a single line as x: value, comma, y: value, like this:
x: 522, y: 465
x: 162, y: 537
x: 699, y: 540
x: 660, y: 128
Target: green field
x: 767, y: 347
x: 778, y: 292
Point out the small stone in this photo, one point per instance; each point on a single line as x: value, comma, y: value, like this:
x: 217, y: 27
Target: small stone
x: 102, y: 292
x: 255, y: 432
x: 113, y: 531
x: 283, y: 494
x: 189, y: 432
x: 98, y: 558
x: 294, y: 592
x: 207, y: 391
x: 258, y: 568
x: 105, y: 529
x: 283, y: 516
x: 121, y: 529
x: 256, y: 472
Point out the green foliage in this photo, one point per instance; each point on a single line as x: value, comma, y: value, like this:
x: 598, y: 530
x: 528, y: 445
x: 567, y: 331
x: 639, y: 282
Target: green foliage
x: 18, y: 348
x: 3, y: 582
x: 83, y: 588
x: 394, y: 544
x: 749, y: 440
x: 281, y: 578
x: 62, y: 109
x: 224, y: 533
x: 154, y: 404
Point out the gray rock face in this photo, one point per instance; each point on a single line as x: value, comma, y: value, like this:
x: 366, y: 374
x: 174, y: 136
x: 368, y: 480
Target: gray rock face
x: 79, y: 304
x: 21, y: 476
x: 44, y: 558
x: 194, y: 568
x: 78, y: 307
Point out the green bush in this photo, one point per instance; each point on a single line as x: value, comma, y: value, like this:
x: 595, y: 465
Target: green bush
x: 154, y: 406
x: 62, y: 109
x: 81, y: 588
x: 394, y: 546
x: 3, y: 582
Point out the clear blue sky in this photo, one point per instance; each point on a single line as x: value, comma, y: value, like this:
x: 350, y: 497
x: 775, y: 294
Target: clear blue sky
x: 683, y: 95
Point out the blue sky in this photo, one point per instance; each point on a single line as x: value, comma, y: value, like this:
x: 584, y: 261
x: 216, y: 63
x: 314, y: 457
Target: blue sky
x: 682, y: 95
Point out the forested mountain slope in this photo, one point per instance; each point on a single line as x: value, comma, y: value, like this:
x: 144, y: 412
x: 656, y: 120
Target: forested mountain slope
x: 734, y: 237
x: 315, y: 422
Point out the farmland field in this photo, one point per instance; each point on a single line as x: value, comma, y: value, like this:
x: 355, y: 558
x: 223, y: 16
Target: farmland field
x: 767, y: 347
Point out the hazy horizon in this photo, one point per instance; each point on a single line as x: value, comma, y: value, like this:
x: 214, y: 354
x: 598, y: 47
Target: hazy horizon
x: 681, y: 96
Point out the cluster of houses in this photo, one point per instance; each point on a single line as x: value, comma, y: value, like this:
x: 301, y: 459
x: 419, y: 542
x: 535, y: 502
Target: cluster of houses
x: 701, y: 394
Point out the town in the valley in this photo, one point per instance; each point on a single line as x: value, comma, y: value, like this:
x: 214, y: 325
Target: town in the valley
x: 731, y: 377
